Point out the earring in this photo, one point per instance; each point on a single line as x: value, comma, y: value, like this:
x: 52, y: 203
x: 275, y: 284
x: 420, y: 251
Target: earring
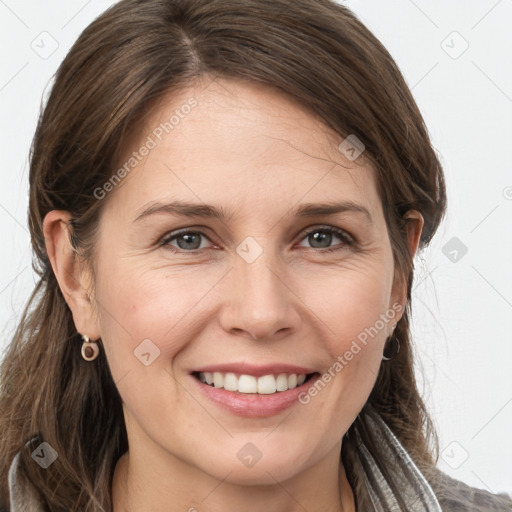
x: 90, y: 349
x: 397, y: 342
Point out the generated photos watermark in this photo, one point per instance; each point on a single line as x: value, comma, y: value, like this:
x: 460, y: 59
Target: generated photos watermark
x: 344, y: 359
x: 150, y: 143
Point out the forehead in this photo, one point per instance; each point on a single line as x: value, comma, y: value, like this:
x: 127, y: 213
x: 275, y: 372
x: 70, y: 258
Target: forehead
x: 238, y: 143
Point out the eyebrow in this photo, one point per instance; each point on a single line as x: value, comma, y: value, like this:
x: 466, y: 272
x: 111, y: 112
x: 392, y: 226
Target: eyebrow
x: 201, y: 210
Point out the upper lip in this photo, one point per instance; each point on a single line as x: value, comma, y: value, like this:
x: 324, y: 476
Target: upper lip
x: 244, y: 368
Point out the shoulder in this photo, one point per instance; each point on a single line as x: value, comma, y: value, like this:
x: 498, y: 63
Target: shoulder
x: 457, y: 496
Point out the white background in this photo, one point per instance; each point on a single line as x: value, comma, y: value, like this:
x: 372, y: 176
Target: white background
x: 462, y: 319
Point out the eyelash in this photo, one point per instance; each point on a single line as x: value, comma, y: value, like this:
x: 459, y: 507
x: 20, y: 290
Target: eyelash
x: 347, y: 240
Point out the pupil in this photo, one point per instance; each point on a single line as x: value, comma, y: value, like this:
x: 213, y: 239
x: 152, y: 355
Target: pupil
x: 189, y: 238
x: 322, y: 237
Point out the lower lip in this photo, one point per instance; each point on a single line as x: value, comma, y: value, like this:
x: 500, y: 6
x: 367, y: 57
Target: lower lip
x: 253, y: 405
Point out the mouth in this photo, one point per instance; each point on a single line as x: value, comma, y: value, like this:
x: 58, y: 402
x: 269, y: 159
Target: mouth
x: 259, y: 394
x: 250, y: 384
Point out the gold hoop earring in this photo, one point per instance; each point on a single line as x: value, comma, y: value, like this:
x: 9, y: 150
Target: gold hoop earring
x: 395, y: 352
x: 90, y: 349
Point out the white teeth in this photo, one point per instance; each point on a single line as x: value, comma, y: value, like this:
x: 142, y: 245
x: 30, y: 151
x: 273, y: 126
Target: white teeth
x: 265, y: 385
x: 230, y: 382
x: 218, y: 380
x: 247, y: 384
x: 282, y: 382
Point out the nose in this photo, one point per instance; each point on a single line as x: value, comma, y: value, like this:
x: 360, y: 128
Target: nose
x: 259, y: 303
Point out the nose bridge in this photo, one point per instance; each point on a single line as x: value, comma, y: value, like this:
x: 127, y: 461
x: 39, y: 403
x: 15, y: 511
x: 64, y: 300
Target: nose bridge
x: 259, y: 302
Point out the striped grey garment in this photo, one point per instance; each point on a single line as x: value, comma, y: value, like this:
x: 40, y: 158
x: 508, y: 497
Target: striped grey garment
x: 450, y: 495
x: 440, y: 493
x: 23, y: 496
x: 416, y: 492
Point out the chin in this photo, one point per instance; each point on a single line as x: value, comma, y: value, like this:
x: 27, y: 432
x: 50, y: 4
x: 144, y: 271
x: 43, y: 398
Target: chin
x: 261, y: 474
x: 249, y: 465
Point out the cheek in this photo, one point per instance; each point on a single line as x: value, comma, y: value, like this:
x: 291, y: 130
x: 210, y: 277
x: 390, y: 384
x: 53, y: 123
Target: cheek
x: 353, y: 303
x: 148, y: 306
x: 356, y: 317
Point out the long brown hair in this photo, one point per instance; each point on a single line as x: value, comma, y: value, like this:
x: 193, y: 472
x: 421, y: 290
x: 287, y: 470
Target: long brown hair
x: 138, y: 51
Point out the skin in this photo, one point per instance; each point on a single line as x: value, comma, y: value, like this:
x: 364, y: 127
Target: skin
x: 259, y: 155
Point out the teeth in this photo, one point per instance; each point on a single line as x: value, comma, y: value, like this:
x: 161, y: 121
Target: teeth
x: 218, y: 380
x: 266, y: 385
x: 230, y: 382
x: 247, y: 384
x: 282, y: 382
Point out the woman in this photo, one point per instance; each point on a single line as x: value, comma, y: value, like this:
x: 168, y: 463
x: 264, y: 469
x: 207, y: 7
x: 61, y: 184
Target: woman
x: 225, y: 202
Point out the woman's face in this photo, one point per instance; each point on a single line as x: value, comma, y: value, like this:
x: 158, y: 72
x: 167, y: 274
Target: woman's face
x: 240, y: 281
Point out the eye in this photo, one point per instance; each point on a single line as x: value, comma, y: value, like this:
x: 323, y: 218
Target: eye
x: 321, y: 238
x: 188, y: 241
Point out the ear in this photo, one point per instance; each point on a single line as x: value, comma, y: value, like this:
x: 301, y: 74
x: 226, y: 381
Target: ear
x: 74, y: 282
x: 413, y: 227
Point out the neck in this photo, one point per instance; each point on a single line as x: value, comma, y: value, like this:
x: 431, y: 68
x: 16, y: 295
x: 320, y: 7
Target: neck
x: 192, y: 491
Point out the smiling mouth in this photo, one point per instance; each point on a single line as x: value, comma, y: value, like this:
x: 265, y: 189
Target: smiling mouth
x: 249, y: 384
